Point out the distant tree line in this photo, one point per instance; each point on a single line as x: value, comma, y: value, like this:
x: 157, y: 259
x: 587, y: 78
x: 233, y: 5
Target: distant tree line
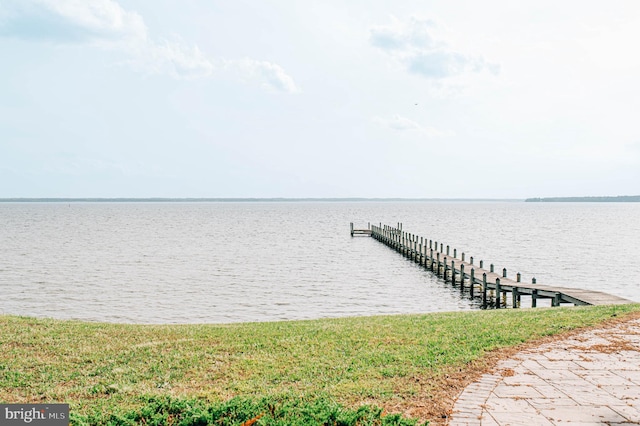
x: 617, y: 199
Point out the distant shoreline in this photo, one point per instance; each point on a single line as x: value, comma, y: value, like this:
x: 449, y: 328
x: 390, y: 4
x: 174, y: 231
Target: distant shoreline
x: 232, y: 200
x: 617, y: 199
x: 606, y: 199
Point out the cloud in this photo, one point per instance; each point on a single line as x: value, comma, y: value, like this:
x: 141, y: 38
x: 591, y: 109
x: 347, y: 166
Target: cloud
x: 171, y: 57
x: 415, y: 45
x: 273, y: 76
x: 105, y: 24
x: 70, y: 21
x: 403, y: 124
x: 398, y: 36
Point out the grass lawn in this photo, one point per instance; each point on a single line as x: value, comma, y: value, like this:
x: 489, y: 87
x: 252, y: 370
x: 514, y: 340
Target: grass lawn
x: 397, y: 363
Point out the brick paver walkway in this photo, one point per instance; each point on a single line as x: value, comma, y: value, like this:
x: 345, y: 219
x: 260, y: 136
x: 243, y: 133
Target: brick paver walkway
x: 592, y: 378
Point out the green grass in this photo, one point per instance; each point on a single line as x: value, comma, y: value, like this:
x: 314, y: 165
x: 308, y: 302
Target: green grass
x: 387, y: 361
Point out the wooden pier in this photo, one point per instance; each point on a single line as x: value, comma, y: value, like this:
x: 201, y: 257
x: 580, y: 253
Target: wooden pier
x: 367, y: 231
x: 495, y: 289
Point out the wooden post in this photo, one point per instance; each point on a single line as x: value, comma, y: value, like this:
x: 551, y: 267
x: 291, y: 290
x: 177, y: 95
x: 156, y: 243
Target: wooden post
x: 481, y: 264
x: 498, y: 291
x: 426, y: 254
x: 463, y: 257
x: 461, y: 277
x: 533, y: 280
x: 473, y: 281
x: 534, y: 298
x: 352, y: 229
x: 471, y: 260
x: 484, y: 290
x: 438, y: 265
x: 431, y: 245
x: 491, y: 268
x: 441, y: 245
x: 455, y: 253
x: 447, y: 250
x: 504, y: 272
x: 514, y: 295
x: 453, y: 273
x: 556, y: 299
x: 444, y: 269
x: 431, y: 260
x: 405, y: 244
x: 518, y: 277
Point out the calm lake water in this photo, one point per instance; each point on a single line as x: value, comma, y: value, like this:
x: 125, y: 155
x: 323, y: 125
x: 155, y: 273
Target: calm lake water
x: 208, y: 262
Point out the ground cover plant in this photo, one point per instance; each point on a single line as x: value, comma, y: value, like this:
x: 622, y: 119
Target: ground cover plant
x: 362, y: 371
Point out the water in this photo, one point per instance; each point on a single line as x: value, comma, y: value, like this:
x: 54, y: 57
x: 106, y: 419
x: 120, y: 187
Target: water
x: 264, y: 261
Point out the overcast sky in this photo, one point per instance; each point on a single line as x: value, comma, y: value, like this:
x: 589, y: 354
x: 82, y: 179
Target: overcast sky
x: 195, y: 98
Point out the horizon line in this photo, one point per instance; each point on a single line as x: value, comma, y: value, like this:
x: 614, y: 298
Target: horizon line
x: 232, y: 199
x: 617, y: 198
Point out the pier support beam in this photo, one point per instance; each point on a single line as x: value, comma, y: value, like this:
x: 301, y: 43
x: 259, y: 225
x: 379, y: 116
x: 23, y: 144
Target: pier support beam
x: 473, y: 281
x: 484, y: 290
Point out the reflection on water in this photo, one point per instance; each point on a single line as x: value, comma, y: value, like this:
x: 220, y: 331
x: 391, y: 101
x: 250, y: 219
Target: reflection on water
x: 262, y: 261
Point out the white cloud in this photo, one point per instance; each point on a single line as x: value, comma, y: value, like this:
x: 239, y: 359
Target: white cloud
x: 70, y: 21
x: 416, y: 46
x: 174, y: 58
x: 104, y: 23
x: 403, y: 124
x: 104, y: 18
x: 272, y: 75
x: 417, y: 34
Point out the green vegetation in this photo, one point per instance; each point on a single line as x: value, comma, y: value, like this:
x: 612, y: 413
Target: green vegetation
x: 280, y: 370
x: 162, y: 411
x: 617, y: 199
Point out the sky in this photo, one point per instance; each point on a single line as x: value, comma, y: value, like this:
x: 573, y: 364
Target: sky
x: 282, y: 98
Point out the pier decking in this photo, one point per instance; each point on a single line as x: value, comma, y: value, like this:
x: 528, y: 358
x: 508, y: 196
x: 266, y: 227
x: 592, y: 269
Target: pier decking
x: 490, y: 286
